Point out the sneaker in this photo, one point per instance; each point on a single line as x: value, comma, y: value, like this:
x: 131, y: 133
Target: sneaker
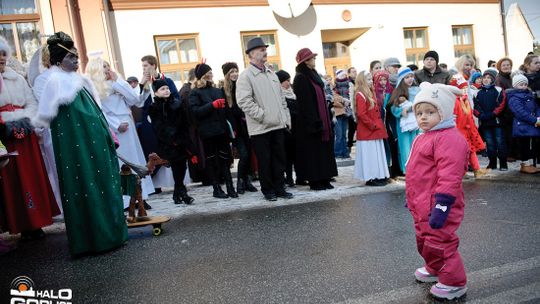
x: 442, y: 291
x: 424, y: 276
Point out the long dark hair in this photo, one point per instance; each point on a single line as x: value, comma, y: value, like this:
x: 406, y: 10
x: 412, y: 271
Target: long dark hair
x: 401, y: 90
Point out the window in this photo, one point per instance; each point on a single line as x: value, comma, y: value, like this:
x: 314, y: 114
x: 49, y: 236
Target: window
x: 463, y: 40
x: 416, y: 44
x: 177, y: 54
x: 19, y: 25
x: 270, y: 38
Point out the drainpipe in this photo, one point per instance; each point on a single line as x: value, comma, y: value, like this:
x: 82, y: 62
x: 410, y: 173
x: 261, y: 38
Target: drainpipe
x: 503, y: 18
x: 74, y: 12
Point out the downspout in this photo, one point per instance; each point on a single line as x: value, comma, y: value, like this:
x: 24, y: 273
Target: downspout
x: 74, y: 12
x: 503, y: 17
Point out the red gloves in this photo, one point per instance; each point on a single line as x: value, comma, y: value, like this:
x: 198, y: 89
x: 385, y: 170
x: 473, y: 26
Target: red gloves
x: 218, y: 103
x: 194, y: 160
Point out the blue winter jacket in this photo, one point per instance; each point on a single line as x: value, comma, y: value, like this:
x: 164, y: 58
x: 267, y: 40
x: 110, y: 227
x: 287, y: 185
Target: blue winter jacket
x: 489, y: 104
x: 526, y: 111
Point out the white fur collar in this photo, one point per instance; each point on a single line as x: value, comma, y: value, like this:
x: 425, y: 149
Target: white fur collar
x: 60, y: 89
x: 9, y: 73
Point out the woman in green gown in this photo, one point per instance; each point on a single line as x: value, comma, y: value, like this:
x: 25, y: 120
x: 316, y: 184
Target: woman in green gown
x: 85, y: 154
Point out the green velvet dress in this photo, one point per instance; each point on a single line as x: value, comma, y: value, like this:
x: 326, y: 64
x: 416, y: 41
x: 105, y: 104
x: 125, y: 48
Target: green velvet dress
x: 89, y: 177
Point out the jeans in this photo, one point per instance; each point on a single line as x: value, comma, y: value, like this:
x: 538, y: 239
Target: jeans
x: 495, y: 142
x: 340, y: 145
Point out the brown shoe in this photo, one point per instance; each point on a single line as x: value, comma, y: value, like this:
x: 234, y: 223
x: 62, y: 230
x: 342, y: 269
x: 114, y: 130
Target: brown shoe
x: 480, y: 172
x: 529, y: 169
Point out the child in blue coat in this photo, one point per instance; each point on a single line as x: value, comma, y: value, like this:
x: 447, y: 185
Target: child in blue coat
x: 526, y: 124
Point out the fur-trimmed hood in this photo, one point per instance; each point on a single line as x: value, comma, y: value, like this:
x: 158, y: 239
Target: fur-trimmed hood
x: 16, y: 91
x: 60, y: 89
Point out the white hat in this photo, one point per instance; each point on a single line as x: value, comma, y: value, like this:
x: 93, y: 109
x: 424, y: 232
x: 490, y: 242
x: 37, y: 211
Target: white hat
x: 519, y: 79
x: 402, y: 72
x: 441, y: 96
x: 4, y: 46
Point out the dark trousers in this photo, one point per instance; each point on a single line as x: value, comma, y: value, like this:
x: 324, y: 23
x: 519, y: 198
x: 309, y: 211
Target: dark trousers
x: 495, y: 142
x: 178, y: 168
x: 270, y: 151
x: 243, y: 146
x: 351, y: 132
x: 529, y: 148
x: 218, y: 158
x: 290, y: 154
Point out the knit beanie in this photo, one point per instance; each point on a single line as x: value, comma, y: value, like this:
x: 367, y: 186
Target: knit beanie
x: 402, y: 72
x: 4, y: 46
x: 519, y: 79
x: 59, y: 45
x: 341, y: 74
x: 441, y: 96
x: 491, y: 72
x: 158, y: 84
x: 474, y: 76
x: 227, y: 66
x: 433, y: 55
x: 283, y: 76
x: 201, y: 69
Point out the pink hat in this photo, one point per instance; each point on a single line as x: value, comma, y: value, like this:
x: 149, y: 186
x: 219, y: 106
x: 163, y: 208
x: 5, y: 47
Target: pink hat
x: 304, y: 54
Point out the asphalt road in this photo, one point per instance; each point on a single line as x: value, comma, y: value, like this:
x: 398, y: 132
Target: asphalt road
x: 355, y: 250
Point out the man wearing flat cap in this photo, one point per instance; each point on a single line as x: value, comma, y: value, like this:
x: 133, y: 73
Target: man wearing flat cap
x: 258, y: 93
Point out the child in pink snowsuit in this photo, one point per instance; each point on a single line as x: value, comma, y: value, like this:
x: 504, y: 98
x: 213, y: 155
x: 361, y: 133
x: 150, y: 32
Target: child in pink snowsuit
x: 435, y: 169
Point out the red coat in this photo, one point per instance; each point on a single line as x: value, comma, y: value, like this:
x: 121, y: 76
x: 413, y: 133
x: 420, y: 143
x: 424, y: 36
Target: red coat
x: 465, y: 124
x: 370, y: 125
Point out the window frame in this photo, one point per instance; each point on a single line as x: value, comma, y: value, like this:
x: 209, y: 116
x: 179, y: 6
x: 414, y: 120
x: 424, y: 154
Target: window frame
x: 180, y: 66
x: 270, y: 59
x: 14, y: 19
x: 417, y: 52
x: 464, y: 48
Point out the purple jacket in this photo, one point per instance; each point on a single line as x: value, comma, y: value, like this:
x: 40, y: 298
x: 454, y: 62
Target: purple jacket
x: 526, y: 112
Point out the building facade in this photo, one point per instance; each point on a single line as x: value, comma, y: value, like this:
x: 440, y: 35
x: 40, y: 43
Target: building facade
x: 344, y: 33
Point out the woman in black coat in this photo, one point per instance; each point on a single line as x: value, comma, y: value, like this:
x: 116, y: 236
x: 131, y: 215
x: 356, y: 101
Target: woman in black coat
x: 208, y: 106
x: 237, y: 119
x: 315, y: 159
x: 171, y: 128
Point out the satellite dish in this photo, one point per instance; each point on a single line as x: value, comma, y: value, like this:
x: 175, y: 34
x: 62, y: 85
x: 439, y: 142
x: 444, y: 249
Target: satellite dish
x: 289, y: 8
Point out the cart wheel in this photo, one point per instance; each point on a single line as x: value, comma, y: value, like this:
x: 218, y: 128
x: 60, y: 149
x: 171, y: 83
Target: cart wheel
x: 156, y: 231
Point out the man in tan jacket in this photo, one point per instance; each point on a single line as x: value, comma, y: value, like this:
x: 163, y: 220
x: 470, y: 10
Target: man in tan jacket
x: 258, y: 94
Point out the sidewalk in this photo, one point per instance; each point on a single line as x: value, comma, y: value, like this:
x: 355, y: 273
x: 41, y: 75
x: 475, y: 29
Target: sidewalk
x: 345, y: 186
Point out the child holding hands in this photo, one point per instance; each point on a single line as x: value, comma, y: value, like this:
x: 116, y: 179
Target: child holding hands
x: 434, y: 191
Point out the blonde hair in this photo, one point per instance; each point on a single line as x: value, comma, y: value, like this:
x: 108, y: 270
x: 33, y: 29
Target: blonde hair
x: 460, y: 63
x: 361, y: 85
x: 201, y: 83
x: 526, y: 62
x: 96, y: 73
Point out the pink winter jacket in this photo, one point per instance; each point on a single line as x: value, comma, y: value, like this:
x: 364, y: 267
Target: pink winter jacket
x: 437, y: 163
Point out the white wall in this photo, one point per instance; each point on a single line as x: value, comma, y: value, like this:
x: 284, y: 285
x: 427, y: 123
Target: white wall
x: 219, y: 31
x: 520, y: 39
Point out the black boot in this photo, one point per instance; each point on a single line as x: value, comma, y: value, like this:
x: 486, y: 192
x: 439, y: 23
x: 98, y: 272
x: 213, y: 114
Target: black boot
x: 230, y: 189
x: 240, y: 185
x: 492, y: 163
x: 176, y: 196
x: 218, y: 192
x: 503, y: 164
x: 182, y: 194
x: 249, y: 185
